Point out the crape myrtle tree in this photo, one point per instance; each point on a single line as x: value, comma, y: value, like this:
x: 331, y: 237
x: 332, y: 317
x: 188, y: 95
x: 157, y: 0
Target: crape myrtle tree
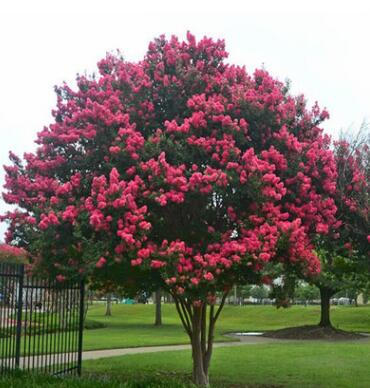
x: 12, y: 254
x: 180, y: 164
x: 344, y: 253
x: 9, y: 254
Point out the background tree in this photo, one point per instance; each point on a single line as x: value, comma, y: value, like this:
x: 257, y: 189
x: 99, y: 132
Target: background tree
x: 240, y: 292
x: 350, y: 293
x: 123, y: 281
x: 259, y: 293
x: 108, y: 291
x: 344, y: 253
x: 306, y: 293
x: 244, y: 292
x: 12, y: 254
x: 182, y: 165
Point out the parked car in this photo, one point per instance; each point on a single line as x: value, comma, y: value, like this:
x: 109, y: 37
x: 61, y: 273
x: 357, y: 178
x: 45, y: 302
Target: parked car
x: 128, y: 301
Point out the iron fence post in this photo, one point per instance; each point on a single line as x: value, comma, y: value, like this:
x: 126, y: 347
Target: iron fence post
x: 81, y: 326
x: 19, y: 317
x: 33, y: 327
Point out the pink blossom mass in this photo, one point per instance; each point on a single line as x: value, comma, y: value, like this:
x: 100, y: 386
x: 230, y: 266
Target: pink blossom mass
x: 181, y: 165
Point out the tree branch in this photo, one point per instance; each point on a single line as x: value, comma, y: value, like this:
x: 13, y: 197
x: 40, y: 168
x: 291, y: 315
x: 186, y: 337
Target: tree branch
x: 184, y: 309
x: 204, y: 328
x: 185, y: 323
x: 188, y: 309
x: 223, y: 300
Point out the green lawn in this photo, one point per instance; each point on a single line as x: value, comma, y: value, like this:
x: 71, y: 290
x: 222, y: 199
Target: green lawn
x: 293, y: 364
x: 290, y: 365
x: 132, y: 325
x: 306, y: 364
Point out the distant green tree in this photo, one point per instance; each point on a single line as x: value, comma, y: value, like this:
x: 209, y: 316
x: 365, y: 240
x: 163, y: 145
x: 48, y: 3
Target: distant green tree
x: 128, y: 282
x: 306, y: 293
x: 259, y: 293
x: 245, y: 291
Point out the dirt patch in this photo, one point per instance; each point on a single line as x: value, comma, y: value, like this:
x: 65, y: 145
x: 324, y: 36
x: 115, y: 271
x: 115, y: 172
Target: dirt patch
x: 314, y: 333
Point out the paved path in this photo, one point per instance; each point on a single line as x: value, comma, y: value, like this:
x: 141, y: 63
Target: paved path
x: 240, y: 341
x: 95, y: 354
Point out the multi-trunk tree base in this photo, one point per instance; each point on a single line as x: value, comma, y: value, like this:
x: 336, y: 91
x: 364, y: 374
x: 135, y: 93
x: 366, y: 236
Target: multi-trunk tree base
x: 199, y: 322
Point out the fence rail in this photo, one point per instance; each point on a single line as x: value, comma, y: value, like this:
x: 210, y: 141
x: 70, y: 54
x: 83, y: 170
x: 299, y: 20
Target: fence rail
x: 41, y: 322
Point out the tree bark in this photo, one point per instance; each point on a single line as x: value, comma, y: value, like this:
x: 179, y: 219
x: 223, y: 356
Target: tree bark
x: 235, y: 295
x: 158, y: 308
x: 200, y: 328
x: 325, y: 295
x: 91, y: 298
x: 108, y: 311
x: 200, y: 375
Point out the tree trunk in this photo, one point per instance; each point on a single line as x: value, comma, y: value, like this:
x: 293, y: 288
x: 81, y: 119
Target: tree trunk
x: 235, y: 295
x: 91, y: 298
x: 200, y: 375
x: 108, y: 311
x: 325, y: 295
x: 158, y: 308
x: 86, y: 308
x: 200, y: 330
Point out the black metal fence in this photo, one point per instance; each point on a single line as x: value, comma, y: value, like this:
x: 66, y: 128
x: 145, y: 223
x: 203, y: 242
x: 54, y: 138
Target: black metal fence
x: 41, y: 323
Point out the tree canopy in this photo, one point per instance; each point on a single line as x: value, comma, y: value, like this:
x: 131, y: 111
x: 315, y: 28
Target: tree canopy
x: 180, y: 164
x: 344, y: 252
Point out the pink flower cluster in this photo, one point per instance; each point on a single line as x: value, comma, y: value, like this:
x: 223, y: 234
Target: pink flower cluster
x: 180, y: 163
x: 10, y: 251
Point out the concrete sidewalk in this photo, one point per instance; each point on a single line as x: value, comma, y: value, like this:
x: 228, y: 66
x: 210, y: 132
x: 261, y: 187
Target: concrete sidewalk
x: 60, y: 358
x: 105, y: 353
x: 239, y: 341
x: 95, y: 354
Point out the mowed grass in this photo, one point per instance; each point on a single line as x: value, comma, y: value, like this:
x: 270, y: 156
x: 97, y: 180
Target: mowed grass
x: 284, y: 365
x: 288, y: 365
x: 307, y: 364
x: 132, y: 325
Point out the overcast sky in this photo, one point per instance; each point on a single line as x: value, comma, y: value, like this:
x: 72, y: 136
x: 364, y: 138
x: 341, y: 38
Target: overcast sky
x: 321, y: 46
